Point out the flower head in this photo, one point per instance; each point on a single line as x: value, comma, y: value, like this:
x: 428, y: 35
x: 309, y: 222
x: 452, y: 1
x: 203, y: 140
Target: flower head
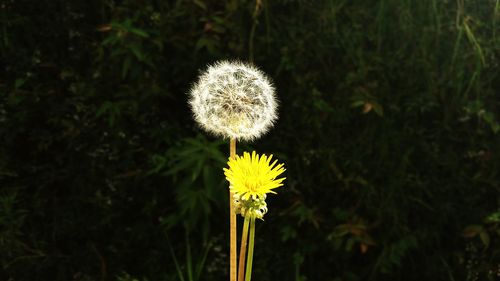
x: 253, y: 207
x: 234, y: 100
x: 253, y: 176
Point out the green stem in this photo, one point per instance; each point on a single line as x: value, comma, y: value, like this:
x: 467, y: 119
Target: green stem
x: 243, y: 250
x: 176, y: 263
x: 248, y: 275
x: 189, y: 260
x: 255, y: 15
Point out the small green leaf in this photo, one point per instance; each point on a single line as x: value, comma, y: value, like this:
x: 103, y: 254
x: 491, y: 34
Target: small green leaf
x: 340, y: 230
x: 139, y: 32
x: 137, y: 53
x: 357, y: 103
x: 378, y: 109
x: 485, y: 238
x: 200, y: 4
x: 180, y: 166
x: 197, y: 169
x: 110, y: 40
x: 19, y: 83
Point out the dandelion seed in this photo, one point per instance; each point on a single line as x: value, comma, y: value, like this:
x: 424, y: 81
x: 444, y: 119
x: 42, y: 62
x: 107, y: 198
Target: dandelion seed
x: 234, y: 100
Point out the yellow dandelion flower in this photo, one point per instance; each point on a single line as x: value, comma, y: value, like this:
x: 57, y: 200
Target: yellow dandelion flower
x: 253, y: 176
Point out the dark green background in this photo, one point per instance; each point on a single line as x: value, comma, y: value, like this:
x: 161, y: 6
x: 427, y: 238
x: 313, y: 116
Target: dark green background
x: 389, y: 129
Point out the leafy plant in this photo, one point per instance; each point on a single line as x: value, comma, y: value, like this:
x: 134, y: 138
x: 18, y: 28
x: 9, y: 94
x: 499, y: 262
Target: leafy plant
x: 192, y: 164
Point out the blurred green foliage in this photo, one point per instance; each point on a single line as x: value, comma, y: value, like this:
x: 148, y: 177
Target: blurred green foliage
x: 389, y: 128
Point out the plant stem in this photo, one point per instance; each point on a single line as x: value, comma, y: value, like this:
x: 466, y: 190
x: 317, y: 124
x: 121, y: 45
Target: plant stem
x: 232, y: 222
x: 176, y: 263
x: 255, y: 15
x: 189, y: 260
x: 248, y: 275
x: 243, y: 250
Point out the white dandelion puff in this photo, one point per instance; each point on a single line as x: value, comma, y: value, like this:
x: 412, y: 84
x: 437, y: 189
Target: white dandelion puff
x: 234, y: 100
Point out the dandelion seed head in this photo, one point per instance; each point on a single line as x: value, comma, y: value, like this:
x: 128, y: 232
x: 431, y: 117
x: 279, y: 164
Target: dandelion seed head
x: 234, y: 100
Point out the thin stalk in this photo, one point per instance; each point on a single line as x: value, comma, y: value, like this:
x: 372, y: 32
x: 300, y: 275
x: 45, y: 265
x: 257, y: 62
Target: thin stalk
x: 496, y: 13
x: 248, y: 275
x: 243, y: 250
x: 201, y: 264
x: 255, y: 16
x: 189, y: 259
x: 176, y: 263
x: 232, y: 223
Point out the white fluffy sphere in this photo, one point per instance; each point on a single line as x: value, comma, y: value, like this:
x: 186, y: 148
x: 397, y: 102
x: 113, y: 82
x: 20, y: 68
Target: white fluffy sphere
x: 234, y: 100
